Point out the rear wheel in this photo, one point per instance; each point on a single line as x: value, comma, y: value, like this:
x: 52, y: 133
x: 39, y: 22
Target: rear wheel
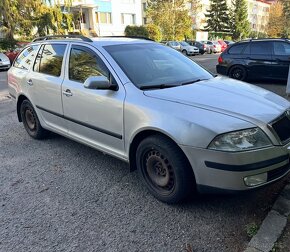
x: 164, y: 169
x: 238, y: 73
x: 31, y: 122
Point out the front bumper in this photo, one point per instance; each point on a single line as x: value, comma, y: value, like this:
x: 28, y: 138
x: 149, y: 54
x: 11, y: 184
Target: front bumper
x: 225, y: 171
x: 193, y: 52
x: 4, y: 67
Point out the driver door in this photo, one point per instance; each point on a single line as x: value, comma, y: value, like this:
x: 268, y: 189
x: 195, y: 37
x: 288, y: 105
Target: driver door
x: 94, y: 117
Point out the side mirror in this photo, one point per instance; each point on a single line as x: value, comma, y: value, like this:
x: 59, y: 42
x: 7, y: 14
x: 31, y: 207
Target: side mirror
x: 98, y: 82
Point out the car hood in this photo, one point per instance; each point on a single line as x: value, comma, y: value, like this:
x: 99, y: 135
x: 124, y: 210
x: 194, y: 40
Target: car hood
x: 227, y: 96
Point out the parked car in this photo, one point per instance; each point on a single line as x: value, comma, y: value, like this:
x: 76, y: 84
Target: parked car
x: 13, y: 53
x: 4, y: 62
x: 187, y: 49
x: 223, y: 45
x: 174, y: 44
x: 213, y: 47
x: 181, y: 127
x: 201, y: 46
x: 261, y: 58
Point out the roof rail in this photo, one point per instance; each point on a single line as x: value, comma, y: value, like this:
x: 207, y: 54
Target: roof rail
x: 63, y: 36
x: 133, y: 37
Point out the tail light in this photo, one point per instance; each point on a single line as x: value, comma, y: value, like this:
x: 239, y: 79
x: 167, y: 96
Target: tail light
x: 214, y: 46
x: 204, y: 46
x: 220, y: 59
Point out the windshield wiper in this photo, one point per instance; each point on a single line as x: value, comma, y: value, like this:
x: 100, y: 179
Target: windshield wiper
x: 192, y: 81
x: 159, y: 86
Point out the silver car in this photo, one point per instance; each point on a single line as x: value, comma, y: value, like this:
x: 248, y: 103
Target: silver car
x: 181, y: 127
x: 187, y: 49
x: 4, y: 62
x: 174, y: 44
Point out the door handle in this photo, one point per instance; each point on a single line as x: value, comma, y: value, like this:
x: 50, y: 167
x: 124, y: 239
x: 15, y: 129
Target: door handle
x: 67, y: 93
x: 29, y: 82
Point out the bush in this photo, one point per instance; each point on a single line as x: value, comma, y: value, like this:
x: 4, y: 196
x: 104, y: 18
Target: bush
x: 136, y: 31
x: 7, y: 44
x: 154, y: 32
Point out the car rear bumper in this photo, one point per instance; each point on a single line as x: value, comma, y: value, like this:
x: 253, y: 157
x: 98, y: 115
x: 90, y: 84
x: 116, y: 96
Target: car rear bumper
x: 225, y: 171
x: 4, y: 67
x: 221, y: 69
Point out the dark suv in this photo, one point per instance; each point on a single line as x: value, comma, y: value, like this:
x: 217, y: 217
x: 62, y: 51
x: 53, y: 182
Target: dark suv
x: 261, y: 58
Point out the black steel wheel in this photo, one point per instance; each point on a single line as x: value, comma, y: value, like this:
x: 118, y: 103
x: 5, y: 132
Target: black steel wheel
x: 238, y: 73
x: 31, y: 122
x: 164, y: 169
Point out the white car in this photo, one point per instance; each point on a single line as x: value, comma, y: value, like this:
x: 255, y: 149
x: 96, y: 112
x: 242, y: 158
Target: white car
x: 4, y: 62
x: 187, y: 49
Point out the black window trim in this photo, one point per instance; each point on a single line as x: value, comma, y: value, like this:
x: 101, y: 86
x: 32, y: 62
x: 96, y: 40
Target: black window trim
x: 42, y: 45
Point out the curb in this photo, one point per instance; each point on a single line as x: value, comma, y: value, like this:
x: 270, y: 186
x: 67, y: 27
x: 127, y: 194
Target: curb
x: 273, y: 225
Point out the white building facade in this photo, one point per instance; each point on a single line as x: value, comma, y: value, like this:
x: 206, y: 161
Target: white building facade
x: 105, y: 17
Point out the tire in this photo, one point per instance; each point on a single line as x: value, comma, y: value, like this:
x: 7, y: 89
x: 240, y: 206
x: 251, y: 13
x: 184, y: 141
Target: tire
x: 31, y: 122
x: 184, y: 52
x: 238, y: 73
x: 164, y: 169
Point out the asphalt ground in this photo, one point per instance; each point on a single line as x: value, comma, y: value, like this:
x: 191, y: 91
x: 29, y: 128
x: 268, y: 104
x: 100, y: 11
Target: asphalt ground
x: 59, y: 195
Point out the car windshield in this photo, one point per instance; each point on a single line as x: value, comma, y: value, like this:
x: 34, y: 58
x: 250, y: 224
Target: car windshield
x: 152, y: 64
x: 174, y: 43
x: 184, y: 43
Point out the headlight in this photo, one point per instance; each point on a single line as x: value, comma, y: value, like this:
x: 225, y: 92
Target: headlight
x: 240, y: 140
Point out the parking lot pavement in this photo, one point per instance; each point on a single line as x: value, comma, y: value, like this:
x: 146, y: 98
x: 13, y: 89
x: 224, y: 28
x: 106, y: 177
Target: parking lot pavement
x: 3, y: 84
x: 59, y: 195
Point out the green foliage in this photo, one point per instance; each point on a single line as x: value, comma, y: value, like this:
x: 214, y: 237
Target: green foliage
x: 286, y: 11
x: 252, y: 229
x: 171, y: 16
x: 7, y: 44
x: 255, y: 34
x: 138, y: 31
x: 154, y: 32
x: 218, y: 16
x: 240, y: 27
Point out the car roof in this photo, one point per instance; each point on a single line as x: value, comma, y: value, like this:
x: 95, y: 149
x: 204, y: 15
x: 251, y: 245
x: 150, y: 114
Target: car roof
x: 264, y: 39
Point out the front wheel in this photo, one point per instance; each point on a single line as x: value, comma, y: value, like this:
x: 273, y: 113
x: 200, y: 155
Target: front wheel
x: 184, y: 52
x: 31, y: 122
x: 164, y: 169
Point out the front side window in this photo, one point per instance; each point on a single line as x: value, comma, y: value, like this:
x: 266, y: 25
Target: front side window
x: 26, y: 57
x: 281, y: 48
x: 49, y: 59
x: 261, y: 48
x: 153, y: 64
x: 84, y: 63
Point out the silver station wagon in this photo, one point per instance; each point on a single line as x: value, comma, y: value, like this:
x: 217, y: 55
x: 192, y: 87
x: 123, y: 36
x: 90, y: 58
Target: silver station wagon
x: 181, y: 127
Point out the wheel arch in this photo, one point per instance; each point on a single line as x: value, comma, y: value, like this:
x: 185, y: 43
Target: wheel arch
x: 20, y: 99
x: 141, y: 136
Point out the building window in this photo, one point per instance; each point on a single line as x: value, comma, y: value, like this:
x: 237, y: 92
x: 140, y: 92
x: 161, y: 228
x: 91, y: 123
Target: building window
x: 144, y: 20
x: 144, y: 6
x: 104, y: 17
x: 128, y: 19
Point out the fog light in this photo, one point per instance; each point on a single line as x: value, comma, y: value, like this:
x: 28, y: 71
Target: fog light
x: 256, y: 179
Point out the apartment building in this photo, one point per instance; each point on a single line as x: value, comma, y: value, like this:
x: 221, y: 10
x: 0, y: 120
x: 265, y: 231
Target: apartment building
x: 105, y: 17
x: 258, y: 14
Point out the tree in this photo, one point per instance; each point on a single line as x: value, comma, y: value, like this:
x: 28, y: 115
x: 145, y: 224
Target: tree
x: 171, y: 16
x: 240, y: 26
x: 276, y: 20
x: 286, y: 12
x: 218, y: 16
x: 154, y: 32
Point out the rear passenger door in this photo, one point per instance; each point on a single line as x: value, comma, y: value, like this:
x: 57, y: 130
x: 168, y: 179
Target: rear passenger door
x: 94, y: 116
x: 281, y: 60
x: 45, y: 80
x: 260, y: 59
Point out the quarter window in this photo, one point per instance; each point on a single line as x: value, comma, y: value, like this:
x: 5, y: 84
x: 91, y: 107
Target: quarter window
x: 49, y: 59
x: 237, y: 49
x: 84, y: 63
x: 26, y: 57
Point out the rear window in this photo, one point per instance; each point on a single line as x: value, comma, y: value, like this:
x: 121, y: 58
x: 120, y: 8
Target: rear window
x: 237, y: 49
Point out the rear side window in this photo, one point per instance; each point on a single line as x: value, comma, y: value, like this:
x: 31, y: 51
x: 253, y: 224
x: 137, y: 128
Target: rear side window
x: 26, y: 57
x: 281, y: 48
x: 84, y: 63
x: 49, y: 59
x: 261, y: 48
x: 237, y: 49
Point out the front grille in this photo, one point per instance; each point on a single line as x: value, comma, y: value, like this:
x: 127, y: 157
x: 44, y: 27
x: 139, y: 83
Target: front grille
x: 276, y: 173
x: 282, y: 128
